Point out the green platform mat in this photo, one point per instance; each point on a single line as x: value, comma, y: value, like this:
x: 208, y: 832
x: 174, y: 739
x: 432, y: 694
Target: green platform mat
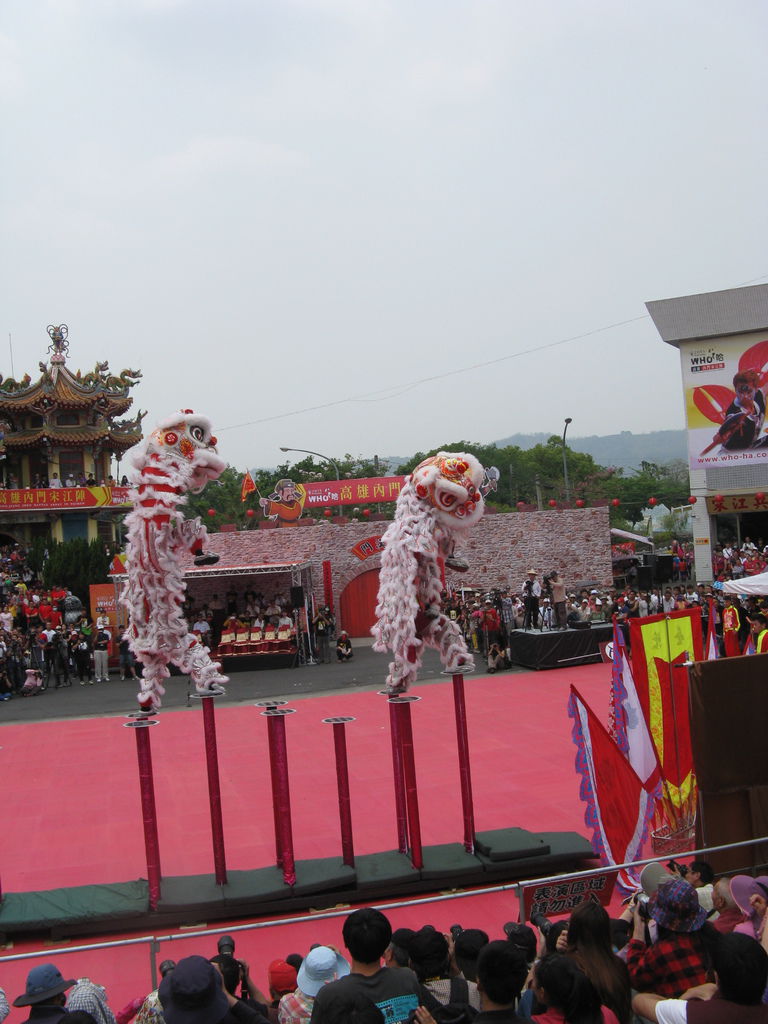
x: 390, y: 868
x: 324, y: 875
x: 510, y: 844
x: 40, y: 911
x: 449, y: 862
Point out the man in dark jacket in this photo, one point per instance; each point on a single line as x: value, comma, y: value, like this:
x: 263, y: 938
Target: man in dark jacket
x: 45, y: 995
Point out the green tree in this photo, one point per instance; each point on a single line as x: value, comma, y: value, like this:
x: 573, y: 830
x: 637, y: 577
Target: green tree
x: 72, y: 564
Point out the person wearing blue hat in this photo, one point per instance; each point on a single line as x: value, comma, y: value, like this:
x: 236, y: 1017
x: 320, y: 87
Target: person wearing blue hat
x: 45, y: 994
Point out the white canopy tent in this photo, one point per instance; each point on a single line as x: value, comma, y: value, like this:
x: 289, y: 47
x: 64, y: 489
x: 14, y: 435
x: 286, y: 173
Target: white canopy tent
x: 631, y: 536
x: 755, y: 585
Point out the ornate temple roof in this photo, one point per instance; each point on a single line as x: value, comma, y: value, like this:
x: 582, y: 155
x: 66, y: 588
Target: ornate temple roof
x: 102, y: 394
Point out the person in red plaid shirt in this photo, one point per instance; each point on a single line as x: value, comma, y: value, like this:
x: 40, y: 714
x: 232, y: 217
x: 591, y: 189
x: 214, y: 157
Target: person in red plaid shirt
x: 679, y: 958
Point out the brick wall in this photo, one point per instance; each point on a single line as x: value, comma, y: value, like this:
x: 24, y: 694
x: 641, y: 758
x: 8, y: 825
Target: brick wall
x: 500, y: 550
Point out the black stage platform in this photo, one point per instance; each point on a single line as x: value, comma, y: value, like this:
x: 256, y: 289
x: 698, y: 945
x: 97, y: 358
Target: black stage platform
x: 558, y: 649
x: 500, y: 856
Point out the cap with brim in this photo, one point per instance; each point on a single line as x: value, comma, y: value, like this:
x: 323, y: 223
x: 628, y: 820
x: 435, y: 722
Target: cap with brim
x: 676, y: 906
x: 318, y: 967
x: 652, y: 876
x: 193, y: 993
x: 532, y: 572
x: 43, y: 982
x: 282, y: 976
x: 744, y: 886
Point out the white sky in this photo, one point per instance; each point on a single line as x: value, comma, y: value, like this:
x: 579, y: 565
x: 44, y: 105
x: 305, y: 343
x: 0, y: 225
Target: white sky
x: 268, y: 205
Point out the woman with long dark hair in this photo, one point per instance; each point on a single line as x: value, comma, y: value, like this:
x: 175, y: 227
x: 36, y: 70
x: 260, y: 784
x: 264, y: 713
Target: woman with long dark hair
x: 567, y: 993
x: 589, y: 943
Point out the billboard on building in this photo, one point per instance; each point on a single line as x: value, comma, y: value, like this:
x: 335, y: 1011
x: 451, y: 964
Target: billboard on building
x: 726, y: 383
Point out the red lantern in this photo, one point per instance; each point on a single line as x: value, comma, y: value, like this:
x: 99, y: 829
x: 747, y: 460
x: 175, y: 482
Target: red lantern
x: 693, y: 499
x: 327, y: 513
x: 653, y: 502
x: 616, y: 502
x: 366, y: 512
x: 719, y: 499
x: 211, y: 512
x: 580, y: 503
x: 552, y: 503
x: 250, y: 513
x: 521, y: 505
x: 759, y: 497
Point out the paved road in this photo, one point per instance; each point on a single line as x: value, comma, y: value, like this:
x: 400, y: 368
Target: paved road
x: 366, y: 671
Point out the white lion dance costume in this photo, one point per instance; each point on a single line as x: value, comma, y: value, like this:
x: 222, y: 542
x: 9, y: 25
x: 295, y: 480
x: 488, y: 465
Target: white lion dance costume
x: 179, y: 456
x: 441, y: 497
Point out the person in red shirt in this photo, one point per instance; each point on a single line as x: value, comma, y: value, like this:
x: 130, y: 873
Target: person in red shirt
x: 731, y: 628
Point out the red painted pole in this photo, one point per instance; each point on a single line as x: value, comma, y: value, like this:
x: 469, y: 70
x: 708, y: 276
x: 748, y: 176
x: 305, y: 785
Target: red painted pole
x: 399, y: 780
x: 148, y: 808
x: 214, y: 789
x: 342, y: 782
x: 281, y: 790
x: 465, y: 775
x: 409, y: 771
x: 274, y: 776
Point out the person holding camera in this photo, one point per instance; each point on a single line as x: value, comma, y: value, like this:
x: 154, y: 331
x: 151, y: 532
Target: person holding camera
x: 531, y: 591
x: 680, y: 957
x: 252, y: 1004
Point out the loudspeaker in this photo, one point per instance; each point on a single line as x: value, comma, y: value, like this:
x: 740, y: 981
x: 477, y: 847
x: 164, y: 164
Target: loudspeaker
x: 297, y: 596
x: 580, y: 625
x: 644, y: 577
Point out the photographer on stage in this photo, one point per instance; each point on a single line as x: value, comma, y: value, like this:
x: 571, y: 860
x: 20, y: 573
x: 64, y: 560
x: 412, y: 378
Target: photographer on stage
x: 531, y: 591
x: 558, y: 599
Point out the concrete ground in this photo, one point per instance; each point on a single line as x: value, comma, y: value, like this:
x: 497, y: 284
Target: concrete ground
x: 366, y: 671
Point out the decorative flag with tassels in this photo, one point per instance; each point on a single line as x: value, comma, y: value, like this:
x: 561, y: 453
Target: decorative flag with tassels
x: 618, y: 806
x: 248, y: 485
x: 713, y: 649
x: 630, y: 728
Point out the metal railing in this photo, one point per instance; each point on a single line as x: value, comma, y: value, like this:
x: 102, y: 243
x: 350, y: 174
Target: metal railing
x: 154, y: 942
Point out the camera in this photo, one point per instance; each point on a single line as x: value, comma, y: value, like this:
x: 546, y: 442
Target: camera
x: 456, y: 931
x: 542, y: 923
x: 641, y: 902
x: 681, y: 869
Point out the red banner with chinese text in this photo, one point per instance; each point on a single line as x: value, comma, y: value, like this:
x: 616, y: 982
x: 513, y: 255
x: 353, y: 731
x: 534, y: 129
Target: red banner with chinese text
x: 557, y: 898
x: 738, y: 502
x: 322, y: 493
x: 35, y: 499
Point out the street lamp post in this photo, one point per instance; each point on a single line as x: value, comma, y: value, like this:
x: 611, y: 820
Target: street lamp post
x: 325, y: 458
x: 565, y: 461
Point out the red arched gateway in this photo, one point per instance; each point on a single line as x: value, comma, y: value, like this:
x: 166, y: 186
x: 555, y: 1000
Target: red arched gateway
x: 357, y: 604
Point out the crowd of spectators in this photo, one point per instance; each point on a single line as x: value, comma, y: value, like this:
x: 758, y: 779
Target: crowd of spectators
x: 687, y: 947
x: 41, y: 482
x: 47, y: 639
x: 730, y: 562
x: 252, y: 623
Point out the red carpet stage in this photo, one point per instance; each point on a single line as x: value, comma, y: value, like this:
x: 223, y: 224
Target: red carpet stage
x: 73, y: 814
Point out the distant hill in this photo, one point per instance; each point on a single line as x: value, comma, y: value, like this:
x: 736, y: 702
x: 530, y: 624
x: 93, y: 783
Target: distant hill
x: 625, y: 450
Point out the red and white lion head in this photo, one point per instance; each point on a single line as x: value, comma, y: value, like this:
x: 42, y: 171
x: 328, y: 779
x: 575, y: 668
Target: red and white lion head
x: 186, y: 439
x: 451, y: 483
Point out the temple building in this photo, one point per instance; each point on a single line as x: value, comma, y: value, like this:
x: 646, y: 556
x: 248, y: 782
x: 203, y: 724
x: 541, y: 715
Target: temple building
x: 61, y: 443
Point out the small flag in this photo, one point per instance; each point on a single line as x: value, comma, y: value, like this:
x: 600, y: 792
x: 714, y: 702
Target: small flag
x: 749, y: 646
x: 713, y: 651
x: 248, y: 485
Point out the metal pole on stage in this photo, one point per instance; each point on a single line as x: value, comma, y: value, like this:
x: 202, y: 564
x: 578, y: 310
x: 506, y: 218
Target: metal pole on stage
x: 141, y: 725
x: 465, y: 774
x: 403, y: 711
x: 268, y: 705
x: 398, y: 777
x: 342, y: 778
x: 281, y: 795
x: 214, y: 788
